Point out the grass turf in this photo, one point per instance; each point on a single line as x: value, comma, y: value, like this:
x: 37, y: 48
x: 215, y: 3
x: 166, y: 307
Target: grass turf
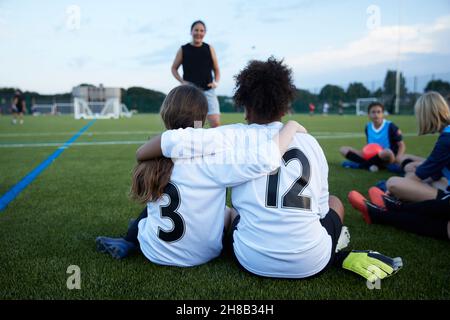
x: 83, y: 194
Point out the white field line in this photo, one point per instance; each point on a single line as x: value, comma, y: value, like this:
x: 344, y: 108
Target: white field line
x: 107, y: 133
x: 93, y: 133
x: 341, y: 135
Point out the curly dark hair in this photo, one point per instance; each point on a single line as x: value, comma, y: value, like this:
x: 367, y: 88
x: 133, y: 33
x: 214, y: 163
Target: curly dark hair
x: 265, y: 89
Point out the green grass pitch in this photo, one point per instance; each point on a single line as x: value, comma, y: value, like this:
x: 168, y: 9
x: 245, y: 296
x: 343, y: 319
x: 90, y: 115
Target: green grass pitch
x: 83, y: 194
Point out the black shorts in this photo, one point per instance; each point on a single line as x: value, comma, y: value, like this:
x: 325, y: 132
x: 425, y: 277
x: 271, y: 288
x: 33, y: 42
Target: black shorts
x: 332, y: 224
x: 18, y: 109
x: 443, y: 194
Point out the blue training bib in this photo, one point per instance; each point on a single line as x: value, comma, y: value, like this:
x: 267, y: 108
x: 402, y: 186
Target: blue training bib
x: 380, y: 136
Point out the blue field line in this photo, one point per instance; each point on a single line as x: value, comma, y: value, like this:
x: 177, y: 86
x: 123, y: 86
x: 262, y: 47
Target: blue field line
x: 12, y: 193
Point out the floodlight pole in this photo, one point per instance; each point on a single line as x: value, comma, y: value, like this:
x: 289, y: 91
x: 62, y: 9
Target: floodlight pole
x: 398, y: 78
x: 397, y: 92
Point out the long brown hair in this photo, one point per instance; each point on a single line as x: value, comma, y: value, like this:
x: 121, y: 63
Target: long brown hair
x: 181, y: 107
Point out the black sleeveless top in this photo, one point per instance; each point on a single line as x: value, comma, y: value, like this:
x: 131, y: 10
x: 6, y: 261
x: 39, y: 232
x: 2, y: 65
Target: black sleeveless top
x: 19, y: 101
x: 197, y: 65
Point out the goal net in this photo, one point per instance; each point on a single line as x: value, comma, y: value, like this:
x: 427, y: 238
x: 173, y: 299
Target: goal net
x: 362, y: 104
x: 40, y: 109
x: 81, y: 109
x: 110, y: 109
x: 57, y: 108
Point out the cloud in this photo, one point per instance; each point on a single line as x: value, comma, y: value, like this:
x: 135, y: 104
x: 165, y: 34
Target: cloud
x: 79, y: 62
x: 379, y: 46
x: 133, y: 28
x: 164, y: 55
x: 222, y: 52
x: 167, y: 54
x: 268, y: 12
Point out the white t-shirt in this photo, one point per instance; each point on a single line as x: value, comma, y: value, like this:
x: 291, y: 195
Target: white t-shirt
x: 279, y: 234
x: 185, y: 226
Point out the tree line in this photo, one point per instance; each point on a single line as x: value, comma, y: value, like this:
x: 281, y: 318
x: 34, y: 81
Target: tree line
x: 149, y: 101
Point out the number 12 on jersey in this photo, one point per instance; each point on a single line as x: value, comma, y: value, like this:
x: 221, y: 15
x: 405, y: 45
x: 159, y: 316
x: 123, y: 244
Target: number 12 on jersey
x: 292, y: 198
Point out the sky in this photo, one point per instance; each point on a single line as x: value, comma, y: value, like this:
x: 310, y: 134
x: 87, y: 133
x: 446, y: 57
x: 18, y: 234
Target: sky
x: 51, y: 46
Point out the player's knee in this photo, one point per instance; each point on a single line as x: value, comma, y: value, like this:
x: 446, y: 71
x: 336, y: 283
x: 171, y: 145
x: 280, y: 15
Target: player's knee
x: 344, y: 150
x: 410, y: 167
x: 393, y: 183
x: 336, y: 204
x: 387, y: 155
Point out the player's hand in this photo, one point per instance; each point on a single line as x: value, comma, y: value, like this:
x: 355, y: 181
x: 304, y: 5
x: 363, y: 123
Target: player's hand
x: 372, y: 265
x: 298, y: 127
x: 213, y: 85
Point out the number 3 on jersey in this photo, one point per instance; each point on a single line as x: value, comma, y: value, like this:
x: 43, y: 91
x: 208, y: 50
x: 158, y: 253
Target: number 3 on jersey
x: 170, y: 212
x: 292, y: 198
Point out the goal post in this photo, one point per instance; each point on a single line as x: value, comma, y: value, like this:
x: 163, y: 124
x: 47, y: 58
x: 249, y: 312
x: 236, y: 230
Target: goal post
x: 42, y: 109
x: 88, y: 102
x: 362, y: 104
x: 110, y: 109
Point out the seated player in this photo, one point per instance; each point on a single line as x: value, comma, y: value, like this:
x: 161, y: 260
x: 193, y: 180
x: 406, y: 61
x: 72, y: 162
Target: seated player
x: 429, y: 218
x: 382, y: 132
x: 183, y: 222
x: 287, y: 225
x: 431, y: 179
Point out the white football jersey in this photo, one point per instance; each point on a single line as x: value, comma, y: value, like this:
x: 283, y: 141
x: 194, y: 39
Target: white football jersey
x: 279, y: 234
x: 185, y: 227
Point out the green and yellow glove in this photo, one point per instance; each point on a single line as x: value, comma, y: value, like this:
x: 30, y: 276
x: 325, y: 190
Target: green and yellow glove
x: 372, y: 265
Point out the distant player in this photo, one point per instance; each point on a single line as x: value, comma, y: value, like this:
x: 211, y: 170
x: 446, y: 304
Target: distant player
x: 287, y: 224
x: 18, y: 107
x: 183, y: 222
x: 199, y: 61
x: 341, y: 108
x: 382, y: 132
x: 312, y: 108
x: 326, y: 108
x: 430, y: 179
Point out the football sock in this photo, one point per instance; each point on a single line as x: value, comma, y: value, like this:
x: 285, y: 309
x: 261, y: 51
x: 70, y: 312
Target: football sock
x: 133, y: 229
x: 405, y: 163
x: 354, y: 157
x: 418, y: 219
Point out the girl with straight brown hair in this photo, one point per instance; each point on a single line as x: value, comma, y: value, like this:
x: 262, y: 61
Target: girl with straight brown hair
x: 183, y: 222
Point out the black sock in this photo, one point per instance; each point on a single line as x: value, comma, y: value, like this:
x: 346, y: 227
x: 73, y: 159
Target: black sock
x: 354, y: 157
x: 405, y: 163
x: 420, y: 223
x: 442, y: 195
x: 133, y: 229
x: 339, y: 258
x: 433, y: 208
x: 392, y: 204
x: 375, y: 212
x: 375, y: 160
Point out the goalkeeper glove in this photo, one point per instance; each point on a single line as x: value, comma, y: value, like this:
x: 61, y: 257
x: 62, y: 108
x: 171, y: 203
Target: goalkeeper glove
x: 372, y: 265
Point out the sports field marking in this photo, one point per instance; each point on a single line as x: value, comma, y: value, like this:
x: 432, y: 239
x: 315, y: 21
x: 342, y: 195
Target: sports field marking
x: 107, y: 133
x: 12, y: 193
x: 57, y: 144
x: 93, y: 133
x: 119, y: 142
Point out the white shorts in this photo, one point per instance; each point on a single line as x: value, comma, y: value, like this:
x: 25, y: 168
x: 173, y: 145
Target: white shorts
x: 213, y: 102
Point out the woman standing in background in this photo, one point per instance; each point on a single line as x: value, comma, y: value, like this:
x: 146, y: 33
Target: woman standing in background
x: 198, y: 60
